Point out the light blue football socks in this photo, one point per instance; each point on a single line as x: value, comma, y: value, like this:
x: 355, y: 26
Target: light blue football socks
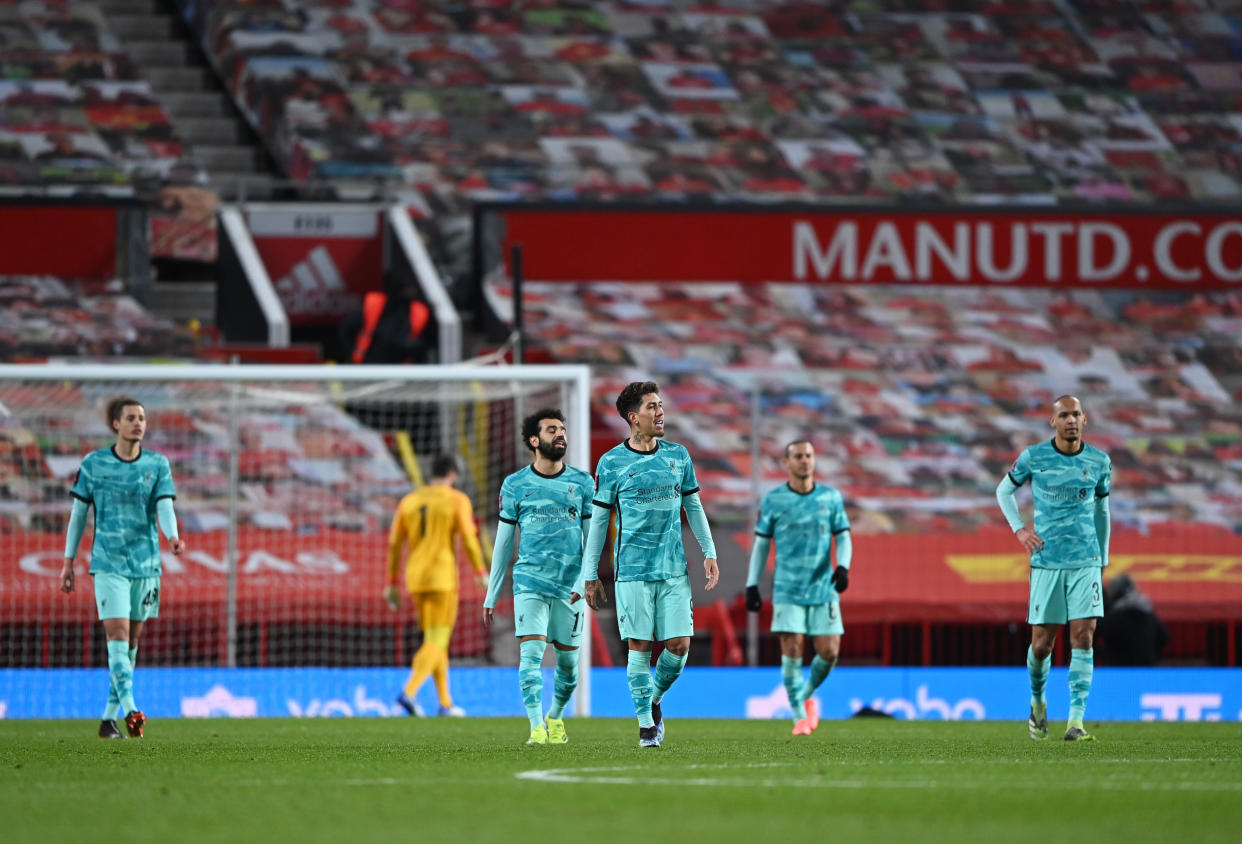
x: 1081, y: 668
x: 638, y: 672
x: 1037, y: 670
x: 114, y: 700
x: 566, y: 681
x: 820, y: 669
x: 121, y: 673
x: 791, y: 673
x: 668, y: 668
x: 530, y: 679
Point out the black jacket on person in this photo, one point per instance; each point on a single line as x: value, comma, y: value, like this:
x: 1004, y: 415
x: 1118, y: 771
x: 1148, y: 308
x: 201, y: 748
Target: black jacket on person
x: 1130, y: 633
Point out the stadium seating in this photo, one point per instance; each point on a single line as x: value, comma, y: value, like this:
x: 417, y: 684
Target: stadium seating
x: 48, y: 318
x: 974, y: 101
x: 75, y: 113
x: 918, y: 400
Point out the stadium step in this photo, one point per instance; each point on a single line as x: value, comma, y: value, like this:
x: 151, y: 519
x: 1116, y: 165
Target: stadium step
x: 237, y: 185
x: 203, y: 115
x: 182, y: 301
x: 228, y: 158
x: 204, y: 131
x: 144, y: 27
x: 132, y: 7
x: 176, y: 78
x: 159, y: 53
x: 187, y: 105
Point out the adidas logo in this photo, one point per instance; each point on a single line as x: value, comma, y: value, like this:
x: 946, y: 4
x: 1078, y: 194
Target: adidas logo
x: 521, y: 618
x: 622, y: 619
x: 314, y: 285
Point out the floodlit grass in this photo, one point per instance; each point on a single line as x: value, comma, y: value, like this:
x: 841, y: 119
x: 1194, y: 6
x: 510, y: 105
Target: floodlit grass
x: 475, y: 780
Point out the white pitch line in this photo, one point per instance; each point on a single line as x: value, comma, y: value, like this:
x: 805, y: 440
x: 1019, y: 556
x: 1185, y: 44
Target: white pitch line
x: 616, y: 775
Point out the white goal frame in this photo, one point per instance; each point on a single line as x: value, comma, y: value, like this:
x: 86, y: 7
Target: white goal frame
x: 574, y: 378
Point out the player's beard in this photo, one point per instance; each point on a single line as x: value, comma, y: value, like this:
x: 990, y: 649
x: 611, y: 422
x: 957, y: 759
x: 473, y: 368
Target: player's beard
x: 552, y: 451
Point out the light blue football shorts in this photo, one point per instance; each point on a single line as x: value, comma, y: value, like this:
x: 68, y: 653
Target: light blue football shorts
x: 555, y: 618
x: 655, y: 610
x: 811, y: 620
x: 1061, y: 595
x: 118, y: 596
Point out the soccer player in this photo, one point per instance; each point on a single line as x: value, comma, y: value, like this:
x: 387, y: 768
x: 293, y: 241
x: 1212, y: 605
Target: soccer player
x: 132, y: 492
x: 803, y: 517
x: 429, y: 520
x: 648, y: 480
x: 1069, y: 547
x: 549, y: 502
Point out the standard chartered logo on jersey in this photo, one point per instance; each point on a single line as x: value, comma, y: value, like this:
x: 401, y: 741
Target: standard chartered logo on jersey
x: 651, y: 495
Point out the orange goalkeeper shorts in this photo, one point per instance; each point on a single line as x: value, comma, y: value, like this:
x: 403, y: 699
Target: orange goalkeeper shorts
x: 435, y: 609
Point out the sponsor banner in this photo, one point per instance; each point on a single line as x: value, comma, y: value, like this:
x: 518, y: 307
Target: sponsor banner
x: 958, y: 694
x: 333, y: 576
x: 33, y: 238
x: 867, y: 246
x: 338, y: 576
x: 1190, y: 575
x: 321, y: 259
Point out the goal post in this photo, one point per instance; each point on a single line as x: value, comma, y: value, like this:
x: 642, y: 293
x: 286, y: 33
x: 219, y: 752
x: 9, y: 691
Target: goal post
x: 287, y: 479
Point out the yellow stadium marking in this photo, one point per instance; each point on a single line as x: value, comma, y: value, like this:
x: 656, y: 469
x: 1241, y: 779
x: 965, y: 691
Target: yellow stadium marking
x: 476, y: 458
x: 1173, y: 568
x: 990, y: 568
x: 409, y: 459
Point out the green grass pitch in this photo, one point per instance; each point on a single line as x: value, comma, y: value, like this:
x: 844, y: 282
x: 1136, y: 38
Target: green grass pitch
x: 475, y: 780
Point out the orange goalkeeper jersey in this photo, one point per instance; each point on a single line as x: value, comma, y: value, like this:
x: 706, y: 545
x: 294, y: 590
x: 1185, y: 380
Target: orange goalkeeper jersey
x: 429, y: 520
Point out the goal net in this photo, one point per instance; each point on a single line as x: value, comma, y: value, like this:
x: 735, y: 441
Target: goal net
x: 287, y: 479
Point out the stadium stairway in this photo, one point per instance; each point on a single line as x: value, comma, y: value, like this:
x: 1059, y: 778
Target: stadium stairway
x: 182, y: 301
x: 202, y: 112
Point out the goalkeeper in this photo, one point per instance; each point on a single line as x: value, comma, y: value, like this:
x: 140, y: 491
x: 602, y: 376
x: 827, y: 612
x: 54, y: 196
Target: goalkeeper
x: 803, y: 517
x: 550, y: 503
x: 429, y: 520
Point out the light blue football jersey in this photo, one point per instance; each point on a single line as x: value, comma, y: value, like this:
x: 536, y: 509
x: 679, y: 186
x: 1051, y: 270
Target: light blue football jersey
x: 1064, y: 488
x: 124, y: 494
x: 802, y: 524
x: 646, y: 489
x: 550, y: 511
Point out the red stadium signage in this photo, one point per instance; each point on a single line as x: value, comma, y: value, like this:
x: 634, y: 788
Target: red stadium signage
x: 338, y: 577
x: 321, y: 259
x: 33, y: 240
x: 1032, y: 248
